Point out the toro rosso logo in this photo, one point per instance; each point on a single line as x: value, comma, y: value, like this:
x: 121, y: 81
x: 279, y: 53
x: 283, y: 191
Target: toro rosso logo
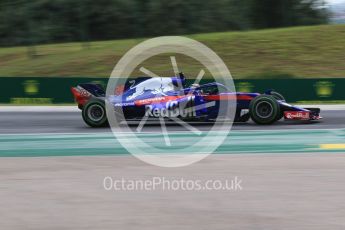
x: 297, y: 115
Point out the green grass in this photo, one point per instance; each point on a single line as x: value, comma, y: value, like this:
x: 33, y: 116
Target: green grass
x: 304, y: 52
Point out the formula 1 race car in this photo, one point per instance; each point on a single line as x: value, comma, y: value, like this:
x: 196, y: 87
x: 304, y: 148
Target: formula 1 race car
x: 162, y: 97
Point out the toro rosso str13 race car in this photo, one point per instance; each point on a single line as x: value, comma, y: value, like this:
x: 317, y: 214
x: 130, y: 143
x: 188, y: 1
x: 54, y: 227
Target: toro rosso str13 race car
x: 170, y: 98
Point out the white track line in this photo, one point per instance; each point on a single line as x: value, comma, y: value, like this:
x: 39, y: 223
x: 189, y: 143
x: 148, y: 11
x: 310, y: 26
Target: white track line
x: 325, y: 107
x: 47, y: 108
x: 172, y: 133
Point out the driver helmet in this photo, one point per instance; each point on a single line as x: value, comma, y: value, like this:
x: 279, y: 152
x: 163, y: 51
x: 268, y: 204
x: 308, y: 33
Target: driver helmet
x: 194, y: 86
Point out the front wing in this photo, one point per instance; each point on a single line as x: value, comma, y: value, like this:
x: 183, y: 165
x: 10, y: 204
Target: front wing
x: 291, y: 112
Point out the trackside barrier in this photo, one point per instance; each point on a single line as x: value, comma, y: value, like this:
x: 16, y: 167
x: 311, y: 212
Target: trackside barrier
x: 54, y: 90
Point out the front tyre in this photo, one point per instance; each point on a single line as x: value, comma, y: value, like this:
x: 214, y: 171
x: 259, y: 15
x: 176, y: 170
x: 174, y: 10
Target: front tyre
x: 264, y: 110
x: 94, y: 113
x: 278, y: 96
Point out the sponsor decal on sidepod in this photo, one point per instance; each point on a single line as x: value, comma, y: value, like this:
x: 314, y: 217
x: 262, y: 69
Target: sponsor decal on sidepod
x: 171, y: 109
x: 297, y: 115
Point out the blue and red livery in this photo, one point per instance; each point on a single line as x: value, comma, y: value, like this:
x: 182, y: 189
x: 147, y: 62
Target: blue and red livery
x: 170, y: 98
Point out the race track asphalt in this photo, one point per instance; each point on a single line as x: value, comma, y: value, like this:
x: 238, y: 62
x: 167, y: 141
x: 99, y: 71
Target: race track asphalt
x: 300, y: 189
x: 71, y: 122
x: 287, y: 191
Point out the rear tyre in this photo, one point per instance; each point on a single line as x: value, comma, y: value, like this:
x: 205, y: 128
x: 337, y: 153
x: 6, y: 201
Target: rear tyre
x: 94, y: 113
x: 264, y: 110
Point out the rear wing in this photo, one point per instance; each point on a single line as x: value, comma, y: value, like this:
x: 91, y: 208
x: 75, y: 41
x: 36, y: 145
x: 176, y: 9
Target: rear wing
x: 83, y: 92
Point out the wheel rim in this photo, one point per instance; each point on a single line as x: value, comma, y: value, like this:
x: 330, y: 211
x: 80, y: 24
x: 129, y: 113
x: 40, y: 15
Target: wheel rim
x: 95, y: 112
x: 264, y: 109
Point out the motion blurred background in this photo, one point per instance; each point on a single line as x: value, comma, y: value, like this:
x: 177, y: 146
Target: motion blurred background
x: 53, y: 166
x: 49, y: 45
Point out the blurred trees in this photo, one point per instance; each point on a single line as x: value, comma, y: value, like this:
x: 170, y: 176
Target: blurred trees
x: 25, y: 22
x: 283, y: 13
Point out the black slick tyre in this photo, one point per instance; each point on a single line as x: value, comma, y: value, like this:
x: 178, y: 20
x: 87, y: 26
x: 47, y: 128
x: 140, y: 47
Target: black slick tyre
x: 264, y: 110
x: 94, y: 113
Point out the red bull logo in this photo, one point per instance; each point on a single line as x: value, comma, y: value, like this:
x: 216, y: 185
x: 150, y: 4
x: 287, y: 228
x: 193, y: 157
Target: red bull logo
x: 297, y: 115
x: 172, y: 109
